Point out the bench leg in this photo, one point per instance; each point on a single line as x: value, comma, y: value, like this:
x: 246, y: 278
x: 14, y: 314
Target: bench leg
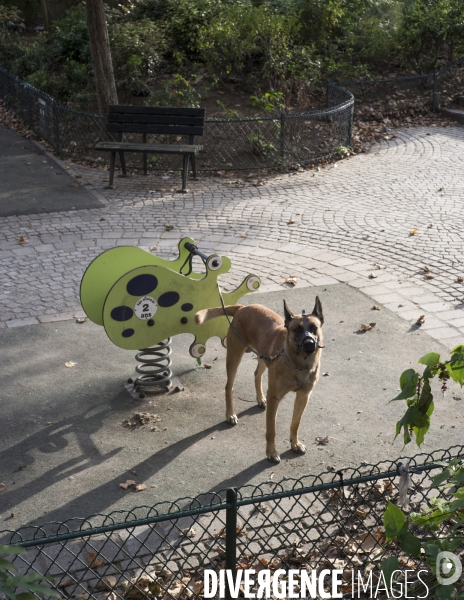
x: 122, y: 159
x: 145, y: 164
x: 112, y: 161
x: 184, y: 174
x: 194, y: 166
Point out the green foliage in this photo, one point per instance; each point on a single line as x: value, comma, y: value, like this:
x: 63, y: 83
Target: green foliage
x: 137, y: 48
x: 10, y: 583
x: 416, y: 390
x: 268, y: 102
x: 430, y: 30
x: 259, y: 145
x: 177, y: 91
x: 254, y: 41
x: 449, y: 508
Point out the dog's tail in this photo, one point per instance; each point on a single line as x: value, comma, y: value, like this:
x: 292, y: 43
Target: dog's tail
x: 211, y: 313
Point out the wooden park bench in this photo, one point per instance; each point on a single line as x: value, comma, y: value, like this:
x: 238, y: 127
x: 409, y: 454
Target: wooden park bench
x: 147, y: 119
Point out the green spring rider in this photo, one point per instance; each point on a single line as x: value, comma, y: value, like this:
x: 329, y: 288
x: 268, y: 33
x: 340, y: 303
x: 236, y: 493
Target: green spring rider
x: 143, y: 300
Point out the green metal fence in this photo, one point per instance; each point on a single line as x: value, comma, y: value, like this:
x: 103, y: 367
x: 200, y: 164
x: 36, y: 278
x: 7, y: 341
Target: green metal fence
x: 334, y: 520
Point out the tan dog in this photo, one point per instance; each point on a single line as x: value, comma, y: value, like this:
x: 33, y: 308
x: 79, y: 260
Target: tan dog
x: 290, y: 349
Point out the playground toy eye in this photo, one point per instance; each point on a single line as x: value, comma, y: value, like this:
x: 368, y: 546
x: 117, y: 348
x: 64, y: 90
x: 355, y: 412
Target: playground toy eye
x: 141, y: 299
x: 214, y: 263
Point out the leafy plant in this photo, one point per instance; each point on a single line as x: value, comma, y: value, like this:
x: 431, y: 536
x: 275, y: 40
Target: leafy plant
x: 178, y: 91
x: 269, y: 102
x: 10, y: 583
x: 416, y: 391
x: 259, y: 144
x: 448, y: 506
x: 341, y: 150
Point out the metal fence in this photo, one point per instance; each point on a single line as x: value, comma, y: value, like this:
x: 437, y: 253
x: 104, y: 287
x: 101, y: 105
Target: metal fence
x: 249, y: 143
x: 229, y: 144
x: 334, y: 521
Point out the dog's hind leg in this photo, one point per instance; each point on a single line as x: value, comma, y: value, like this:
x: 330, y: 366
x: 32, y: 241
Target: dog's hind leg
x: 261, y: 367
x: 301, y: 401
x: 235, y: 352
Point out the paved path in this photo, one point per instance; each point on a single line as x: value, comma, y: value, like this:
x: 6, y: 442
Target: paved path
x: 324, y: 226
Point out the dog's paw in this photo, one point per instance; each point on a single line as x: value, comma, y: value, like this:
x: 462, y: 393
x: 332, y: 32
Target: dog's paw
x: 273, y: 458
x: 299, y: 448
x: 261, y: 402
x: 233, y: 419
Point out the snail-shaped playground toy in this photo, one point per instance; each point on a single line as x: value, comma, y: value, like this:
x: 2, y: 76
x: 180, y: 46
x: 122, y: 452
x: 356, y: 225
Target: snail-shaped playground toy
x: 142, y: 299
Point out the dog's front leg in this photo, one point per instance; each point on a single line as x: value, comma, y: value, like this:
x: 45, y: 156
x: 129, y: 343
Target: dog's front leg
x: 271, y: 414
x: 301, y: 400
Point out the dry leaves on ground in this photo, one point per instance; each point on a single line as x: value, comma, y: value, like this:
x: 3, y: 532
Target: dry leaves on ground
x: 291, y: 280
x: 141, y: 419
x: 94, y: 562
x: 130, y: 483
x: 420, y: 320
x: 322, y: 441
x: 70, y: 364
x: 367, y: 326
x: 22, y: 239
x: 376, y: 307
x: 414, y: 232
x: 2, y: 487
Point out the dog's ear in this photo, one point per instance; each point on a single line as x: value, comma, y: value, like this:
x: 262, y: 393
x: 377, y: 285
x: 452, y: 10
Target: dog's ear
x: 317, y: 310
x: 288, y: 315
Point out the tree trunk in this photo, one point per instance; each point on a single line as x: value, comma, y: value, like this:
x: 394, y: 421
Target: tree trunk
x: 44, y: 13
x: 101, y: 55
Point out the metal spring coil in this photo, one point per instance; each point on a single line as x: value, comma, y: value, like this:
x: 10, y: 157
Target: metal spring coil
x: 155, y: 368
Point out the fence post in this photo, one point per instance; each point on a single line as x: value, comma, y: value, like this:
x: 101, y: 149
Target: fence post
x: 56, y: 128
x: 435, y: 86
x: 231, y: 537
x: 282, y: 136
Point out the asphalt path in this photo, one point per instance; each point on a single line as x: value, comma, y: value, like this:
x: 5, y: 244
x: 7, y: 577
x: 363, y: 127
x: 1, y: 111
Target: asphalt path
x: 64, y: 449
x: 33, y: 183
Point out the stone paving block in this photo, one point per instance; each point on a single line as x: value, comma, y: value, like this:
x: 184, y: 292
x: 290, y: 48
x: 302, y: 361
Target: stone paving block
x: 433, y: 307
x: 56, y: 317
x: 442, y: 333
x: 21, y: 322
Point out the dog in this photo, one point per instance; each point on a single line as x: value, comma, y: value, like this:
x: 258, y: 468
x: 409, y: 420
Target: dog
x: 289, y: 348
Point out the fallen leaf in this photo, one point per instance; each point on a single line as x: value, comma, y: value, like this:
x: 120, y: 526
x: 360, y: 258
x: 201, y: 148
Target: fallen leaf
x: 291, y: 222
x: 414, y: 232
x: 70, y: 363
x: 292, y: 280
x: 2, y: 487
x: 81, y: 320
x: 153, y: 247
x: 169, y: 227
x: 377, y: 266
x: 78, y: 176
x: 140, y: 487
x: 429, y: 277
x: 93, y: 562
x: 103, y: 219
x: 372, y: 276
x: 376, y: 307
x: 243, y: 236
x: 323, y: 441
x: 127, y: 484
x: 460, y: 279
x: 22, y: 239
x: 367, y: 327
x: 66, y: 168
x: 206, y: 366
x: 431, y: 225
x: 425, y: 268
x: 420, y: 320
x: 189, y: 532
x: 326, y: 374
x: 65, y: 582
x: 271, y: 476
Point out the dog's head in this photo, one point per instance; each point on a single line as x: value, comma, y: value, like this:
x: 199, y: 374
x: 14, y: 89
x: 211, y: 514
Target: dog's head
x: 304, y: 332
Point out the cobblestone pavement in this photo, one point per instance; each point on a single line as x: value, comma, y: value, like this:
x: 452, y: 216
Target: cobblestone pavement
x: 336, y: 224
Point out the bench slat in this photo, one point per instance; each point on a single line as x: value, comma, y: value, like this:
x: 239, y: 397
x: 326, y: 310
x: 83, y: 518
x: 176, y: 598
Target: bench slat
x: 153, y: 110
x: 163, y: 148
x: 141, y: 128
x: 155, y: 119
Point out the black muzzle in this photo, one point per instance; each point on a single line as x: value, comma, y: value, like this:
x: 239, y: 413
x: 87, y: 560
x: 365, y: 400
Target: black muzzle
x: 308, y: 342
